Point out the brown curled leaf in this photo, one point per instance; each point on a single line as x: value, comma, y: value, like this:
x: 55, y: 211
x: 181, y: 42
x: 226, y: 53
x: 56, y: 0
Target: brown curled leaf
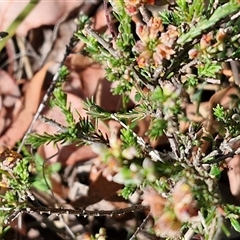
x: 32, y: 99
x: 234, y: 175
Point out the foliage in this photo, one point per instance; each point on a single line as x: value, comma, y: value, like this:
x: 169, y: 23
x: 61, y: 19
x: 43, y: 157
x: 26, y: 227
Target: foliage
x: 42, y: 173
x: 15, y: 184
x: 164, y: 61
x: 18, y: 175
x: 229, y: 119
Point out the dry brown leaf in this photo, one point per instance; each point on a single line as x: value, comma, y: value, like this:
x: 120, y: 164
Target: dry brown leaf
x: 223, y: 97
x: 100, y: 23
x: 45, y: 13
x: 8, y: 89
x: 9, y: 101
x: 234, y: 175
x: 99, y: 189
x: 31, y: 101
x: 78, y: 62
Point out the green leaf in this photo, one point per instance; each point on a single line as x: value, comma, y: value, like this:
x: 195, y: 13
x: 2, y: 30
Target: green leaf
x: 218, y: 112
x: 235, y: 224
x: 40, y: 185
x: 209, y: 70
x: 169, y: 17
x: 236, y: 54
x: 192, y: 81
x: 127, y: 191
x: 215, y: 171
x: 137, y: 97
x: 128, y: 138
x: 205, y: 24
x: 157, y: 128
x: 55, y: 167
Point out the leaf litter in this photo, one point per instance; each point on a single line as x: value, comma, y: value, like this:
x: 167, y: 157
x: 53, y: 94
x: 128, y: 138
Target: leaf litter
x: 47, y: 32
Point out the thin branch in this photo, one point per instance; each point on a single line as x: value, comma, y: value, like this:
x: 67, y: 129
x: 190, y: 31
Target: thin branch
x: 53, y: 38
x: 140, y: 227
x: 78, y: 212
x: 105, y: 44
x: 53, y: 123
x: 155, y: 155
x: 235, y: 16
x: 68, y: 229
x: 173, y: 141
x: 47, y: 94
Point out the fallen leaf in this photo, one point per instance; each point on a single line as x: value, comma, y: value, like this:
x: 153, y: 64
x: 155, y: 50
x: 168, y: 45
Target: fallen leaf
x: 9, y: 89
x: 99, y: 189
x: 222, y: 97
x: 32, y: 99
x: 45, y: 13
x: 234, y: 175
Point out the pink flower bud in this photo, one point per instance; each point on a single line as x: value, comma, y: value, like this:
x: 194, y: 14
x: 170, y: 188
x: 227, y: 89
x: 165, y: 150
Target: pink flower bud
x: 206, y: 40
x: 193, y: 53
